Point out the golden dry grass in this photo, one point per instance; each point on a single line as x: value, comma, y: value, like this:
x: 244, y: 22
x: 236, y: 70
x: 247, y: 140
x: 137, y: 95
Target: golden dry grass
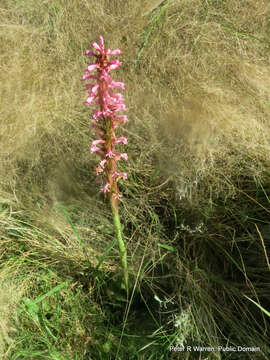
x: 11, y: 292
x: 198, y: 106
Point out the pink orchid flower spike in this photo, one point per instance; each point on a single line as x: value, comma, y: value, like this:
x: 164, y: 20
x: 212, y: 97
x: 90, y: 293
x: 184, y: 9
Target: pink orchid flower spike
x: 107, y: 113
x: 106, y: 118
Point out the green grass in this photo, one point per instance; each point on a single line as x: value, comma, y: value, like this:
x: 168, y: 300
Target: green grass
x: 195, y: 209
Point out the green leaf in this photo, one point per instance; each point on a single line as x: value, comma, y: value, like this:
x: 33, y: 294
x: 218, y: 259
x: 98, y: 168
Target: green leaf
x: 167, y: 247
x: 32, y: 309
x: 51, y: 292
x: 106, y: 253
x: 31, y: 305
x: 259, y: 306
x: 71, y: 224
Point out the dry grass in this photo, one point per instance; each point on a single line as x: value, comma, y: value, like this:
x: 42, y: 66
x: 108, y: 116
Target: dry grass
x: 203, y: 88
x: 198, y: 106
x: 11, y: 292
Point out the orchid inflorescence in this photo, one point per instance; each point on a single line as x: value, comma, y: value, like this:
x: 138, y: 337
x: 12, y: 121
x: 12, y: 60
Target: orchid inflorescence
x: 106, y: 118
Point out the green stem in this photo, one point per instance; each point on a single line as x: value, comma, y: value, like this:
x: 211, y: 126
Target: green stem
x: 121, y: 243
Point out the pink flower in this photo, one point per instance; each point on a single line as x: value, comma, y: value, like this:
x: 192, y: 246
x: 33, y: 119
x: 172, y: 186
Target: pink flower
x: 96, y: 47
x: 118, y: 175
x: 102, y: 163
x: 116, y: 196
x: 106, y: 115
x: 123, y: 118
x: 122, y: 175
x: 104, y: 75
x: 98, y: 142
x: 90, y: 99
x: 114, y: 52
x: 124, y: 156
x: 93, y: 87
x: 119, y: 156
x: 114, y: 64
x: 114, y: 84
x: 90, y: 53
x: 99, y: 47
x: 86, y: 76
x: 107, y: 187
x: 121, y: 139
x: 92, y: 67
x: 110, y: 154
x: 94, y: 147
x: 117, y: 97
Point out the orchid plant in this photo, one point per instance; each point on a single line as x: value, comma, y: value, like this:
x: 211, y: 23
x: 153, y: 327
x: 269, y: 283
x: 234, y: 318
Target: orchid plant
x: 105, y: 120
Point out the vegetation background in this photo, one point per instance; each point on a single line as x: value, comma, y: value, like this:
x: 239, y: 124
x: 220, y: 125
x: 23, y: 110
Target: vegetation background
x: 195, y: 208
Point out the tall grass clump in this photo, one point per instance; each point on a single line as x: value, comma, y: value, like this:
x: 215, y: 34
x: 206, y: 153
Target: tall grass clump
x: 195, y: 208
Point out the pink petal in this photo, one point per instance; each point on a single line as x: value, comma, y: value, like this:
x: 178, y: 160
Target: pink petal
x: 119, y: 175
x: 117, y: 96
x: 120, y: 156
x: 122, y: 175
x: 121, y: 139
x: 94, y: 149
x: 90, y: 53
x: 90, y: 99
x: 123, y: 118
x: 119, y: 84
x: 94, y: 88
x: 117, y: 107
x: 114, y: 52
x: 124, y: 156
x: 100, y: 168
x: 96, y: 46
x: 95, y: 142
x: 116, y: 196
x: 115, y: 62
x: 105, y: 76
x: 96, y: 114
x: 114, y: 66
x: 92, y: 67
x: 102, y: 163
x: 87, y: 76
x: 107, y: 187
x: 110, y: 154
x: 101, y: 41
